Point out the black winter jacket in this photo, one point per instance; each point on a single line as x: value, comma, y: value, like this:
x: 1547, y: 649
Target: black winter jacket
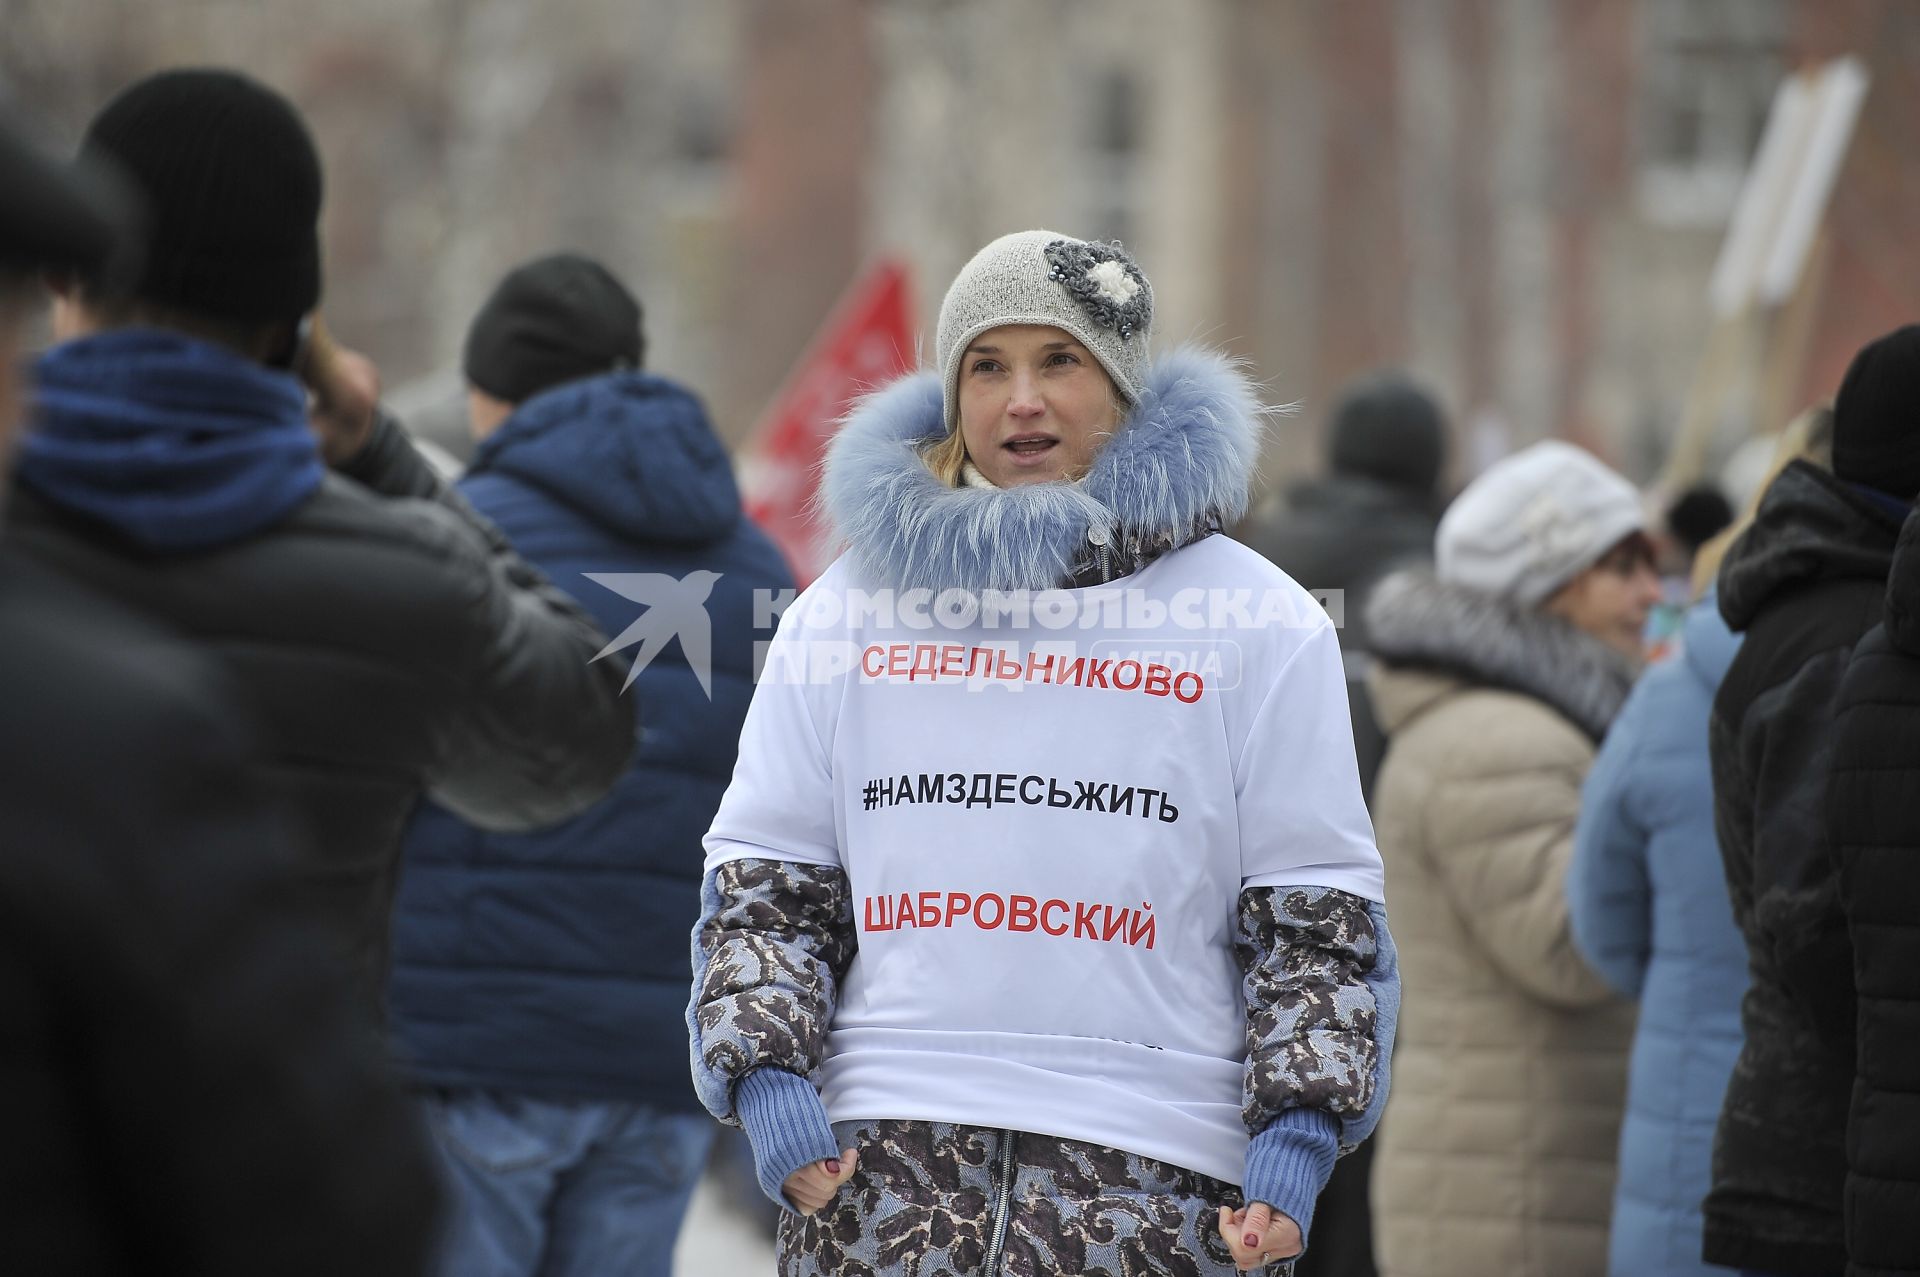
x: 185, y: 1083
x: 1803, y: 583
x: 389, y: 642
x: 1875, y: 823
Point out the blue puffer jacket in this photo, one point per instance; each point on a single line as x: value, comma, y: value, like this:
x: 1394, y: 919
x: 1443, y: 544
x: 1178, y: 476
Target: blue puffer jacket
x: 556, y: 962
x: 1650, y: 913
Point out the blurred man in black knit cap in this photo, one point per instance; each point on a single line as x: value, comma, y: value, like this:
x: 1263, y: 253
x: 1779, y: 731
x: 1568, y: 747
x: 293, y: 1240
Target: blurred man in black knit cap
x: 575, y: 1035
x: 188, y: 1085
x: 389, y: 640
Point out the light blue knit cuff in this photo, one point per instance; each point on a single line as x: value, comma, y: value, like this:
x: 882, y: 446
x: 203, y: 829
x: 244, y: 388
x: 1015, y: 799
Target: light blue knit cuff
x: 1289, y: 1163
x: 787, y: 1125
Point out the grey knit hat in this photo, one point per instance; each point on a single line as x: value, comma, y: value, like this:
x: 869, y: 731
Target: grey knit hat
x: 1534, y: 521
x: 1091, y: 289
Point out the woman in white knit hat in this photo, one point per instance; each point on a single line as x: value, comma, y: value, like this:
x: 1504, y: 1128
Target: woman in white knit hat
x: 1497, y: 677
x: 1043, y: 927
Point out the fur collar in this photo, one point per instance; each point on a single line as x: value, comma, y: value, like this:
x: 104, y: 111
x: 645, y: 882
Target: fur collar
x: 1179, y: 465
x: 1417, y: 621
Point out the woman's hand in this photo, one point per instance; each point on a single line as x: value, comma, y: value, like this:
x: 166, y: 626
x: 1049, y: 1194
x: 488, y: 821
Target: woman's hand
x: 813, y: 1186
x: 1259, y: 1235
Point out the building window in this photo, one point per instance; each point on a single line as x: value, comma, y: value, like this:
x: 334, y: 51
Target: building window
x: 1710, y: 69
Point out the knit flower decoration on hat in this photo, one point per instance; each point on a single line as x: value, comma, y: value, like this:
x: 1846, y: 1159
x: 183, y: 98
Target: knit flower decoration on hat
x: 1104, y: 281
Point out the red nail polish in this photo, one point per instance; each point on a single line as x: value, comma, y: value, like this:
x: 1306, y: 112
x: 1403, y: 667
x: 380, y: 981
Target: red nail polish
x: 1250, y: 1240
x: 833, y: 1168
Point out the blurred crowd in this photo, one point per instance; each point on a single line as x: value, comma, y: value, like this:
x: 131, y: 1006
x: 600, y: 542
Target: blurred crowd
x: 354, y: 816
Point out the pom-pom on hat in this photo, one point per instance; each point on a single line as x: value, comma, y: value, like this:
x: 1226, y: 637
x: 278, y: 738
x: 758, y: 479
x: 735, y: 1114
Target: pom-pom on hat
x: 1091, y: 289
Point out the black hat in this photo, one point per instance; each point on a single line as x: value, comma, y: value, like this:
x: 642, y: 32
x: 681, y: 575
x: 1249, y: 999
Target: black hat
x: 1698, y: 515
x: 52, y: 216
x: 230, y: 179
x: 1387, y: 428
x: 1876, y: 416
x: 551, y: 321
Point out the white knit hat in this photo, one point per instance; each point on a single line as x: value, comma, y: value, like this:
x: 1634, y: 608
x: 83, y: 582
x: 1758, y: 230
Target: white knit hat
x: 1534, y: 521
x: 1092, y: 290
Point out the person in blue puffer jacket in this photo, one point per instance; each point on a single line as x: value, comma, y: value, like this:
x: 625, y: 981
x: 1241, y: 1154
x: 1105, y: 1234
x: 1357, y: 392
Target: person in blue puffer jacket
x: 539, y: 979
x: 1651, y: 914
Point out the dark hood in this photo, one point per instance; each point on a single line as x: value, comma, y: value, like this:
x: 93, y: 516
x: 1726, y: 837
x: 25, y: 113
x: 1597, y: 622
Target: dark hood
x: 1903, y: 589
x: 1810, y: 527
x: 631, y: 451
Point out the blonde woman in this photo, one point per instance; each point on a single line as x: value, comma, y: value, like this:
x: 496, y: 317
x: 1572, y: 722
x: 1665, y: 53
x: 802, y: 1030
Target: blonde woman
x: 1027, y: 948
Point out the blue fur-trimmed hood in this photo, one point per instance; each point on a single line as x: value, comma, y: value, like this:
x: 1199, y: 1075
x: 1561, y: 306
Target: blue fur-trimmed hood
x: 1180, y: 464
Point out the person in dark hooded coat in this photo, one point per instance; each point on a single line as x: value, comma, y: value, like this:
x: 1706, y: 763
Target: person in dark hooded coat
x: 1804, y: 583
x: 540, y: 978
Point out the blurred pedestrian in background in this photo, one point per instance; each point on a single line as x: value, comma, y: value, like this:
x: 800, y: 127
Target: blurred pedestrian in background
x: 540, y: 979
x: 1497, y: 677
x: 188, y: 1084
x: 1803, y: 584
x: 1053, y: 1097
x: 1692, y: 519
x: 1375, y: 510
x: 387, y: 639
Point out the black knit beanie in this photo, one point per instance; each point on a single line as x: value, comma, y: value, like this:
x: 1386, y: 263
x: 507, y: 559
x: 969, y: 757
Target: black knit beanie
x: 551, y: 321
x: 1389, y: 429
x: 231, y: 184
x: 1876, y: 416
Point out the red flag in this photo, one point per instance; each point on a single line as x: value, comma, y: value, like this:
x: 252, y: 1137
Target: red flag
x: 866, y: 343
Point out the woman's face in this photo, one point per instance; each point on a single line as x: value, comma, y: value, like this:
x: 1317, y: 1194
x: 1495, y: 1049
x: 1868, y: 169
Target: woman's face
x: 1035, y: 405
x: 1611, y: 599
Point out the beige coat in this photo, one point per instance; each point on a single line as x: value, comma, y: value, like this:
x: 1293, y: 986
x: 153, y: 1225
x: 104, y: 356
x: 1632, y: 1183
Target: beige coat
x: 1496, y: 1154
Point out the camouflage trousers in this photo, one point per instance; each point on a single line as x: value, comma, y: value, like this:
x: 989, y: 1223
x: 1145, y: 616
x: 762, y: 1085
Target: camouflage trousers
x: 928, y: 1199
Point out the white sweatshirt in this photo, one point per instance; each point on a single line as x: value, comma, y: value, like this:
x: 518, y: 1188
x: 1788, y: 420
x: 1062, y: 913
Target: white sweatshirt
x: 1045, y: 859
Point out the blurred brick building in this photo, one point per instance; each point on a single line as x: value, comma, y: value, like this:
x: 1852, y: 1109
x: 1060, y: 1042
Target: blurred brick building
x: 1519, y: 199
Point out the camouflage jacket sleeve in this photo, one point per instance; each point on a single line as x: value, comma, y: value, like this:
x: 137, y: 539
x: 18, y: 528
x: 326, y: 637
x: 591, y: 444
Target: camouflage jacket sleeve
x: 1323, y: 993
x: 774, y: 940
